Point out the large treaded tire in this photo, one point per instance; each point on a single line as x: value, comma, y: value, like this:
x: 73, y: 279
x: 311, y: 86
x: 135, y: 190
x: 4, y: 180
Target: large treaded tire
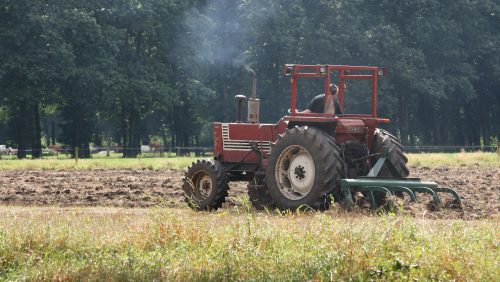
x: 395, y: 150
x: 314, y: 146
x: 205, y: 185
x: 258, y: 194
x: 355, y: 150
x: 396, y: 156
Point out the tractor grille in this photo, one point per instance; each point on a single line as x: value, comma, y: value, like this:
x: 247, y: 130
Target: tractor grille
x: 241, y: 145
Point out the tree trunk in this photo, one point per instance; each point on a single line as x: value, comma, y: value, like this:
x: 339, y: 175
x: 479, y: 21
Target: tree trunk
x: 438, y: 123
x: 19, y: 126
x: 36, y: 144
x: 98, y: 138
x: 426, y: 122
x: 84, y: 152
x: 165, y: 142
x: 133, y: 136
x: 53, y: 131
x: 404, y: 117
x: 46, y: 130
x: 124, y: 131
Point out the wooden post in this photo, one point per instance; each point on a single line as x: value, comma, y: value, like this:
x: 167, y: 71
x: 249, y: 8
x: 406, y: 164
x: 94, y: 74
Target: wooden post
x: 498, y: 148
x: 76, y: 155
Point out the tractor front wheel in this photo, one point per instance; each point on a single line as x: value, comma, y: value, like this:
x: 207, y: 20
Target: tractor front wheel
x: 205, y: 185
x: 304, y: 168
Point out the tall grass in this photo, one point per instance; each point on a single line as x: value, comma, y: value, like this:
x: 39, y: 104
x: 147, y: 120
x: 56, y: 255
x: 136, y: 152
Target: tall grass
x: 176, y: 244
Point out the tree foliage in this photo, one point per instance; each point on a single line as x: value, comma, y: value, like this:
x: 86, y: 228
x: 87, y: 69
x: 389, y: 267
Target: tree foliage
x: 125, y: 71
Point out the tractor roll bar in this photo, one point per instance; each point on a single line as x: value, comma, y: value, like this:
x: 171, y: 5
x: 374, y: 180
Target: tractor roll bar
x: 344, y: 73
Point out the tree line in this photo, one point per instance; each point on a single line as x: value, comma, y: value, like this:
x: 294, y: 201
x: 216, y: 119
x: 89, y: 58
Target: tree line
x: 125, y: 72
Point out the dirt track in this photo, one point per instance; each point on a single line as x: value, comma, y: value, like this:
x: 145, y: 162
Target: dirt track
x: 480, y: 188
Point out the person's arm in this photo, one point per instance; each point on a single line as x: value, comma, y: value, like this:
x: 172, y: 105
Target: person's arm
x: 308, y: 108
x: 338, y: 111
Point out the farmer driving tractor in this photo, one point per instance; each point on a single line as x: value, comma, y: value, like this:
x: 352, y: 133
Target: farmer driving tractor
x: 317, y: 104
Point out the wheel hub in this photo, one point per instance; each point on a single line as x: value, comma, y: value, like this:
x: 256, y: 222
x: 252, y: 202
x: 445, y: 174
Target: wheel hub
x: 300, y: 172
x: 295, y: 172
x: 204, y: 186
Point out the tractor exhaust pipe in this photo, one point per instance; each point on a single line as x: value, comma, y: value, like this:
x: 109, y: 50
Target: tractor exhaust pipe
x: 239, y: 106
x: 254, y: 84
x: 253, y: 102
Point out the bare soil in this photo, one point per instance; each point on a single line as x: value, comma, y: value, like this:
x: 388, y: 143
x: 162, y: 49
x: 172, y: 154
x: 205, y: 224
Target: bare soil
x: 479, y: 187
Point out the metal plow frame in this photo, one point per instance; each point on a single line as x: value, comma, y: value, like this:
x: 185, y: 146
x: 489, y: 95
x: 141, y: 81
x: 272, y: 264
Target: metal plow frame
x: 391, y: 185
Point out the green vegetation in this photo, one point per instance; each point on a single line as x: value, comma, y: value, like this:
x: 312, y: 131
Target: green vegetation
x: 99, y: 163
x: 132, y: 72
x: 169, y: 244
x: 454, y: 159
x: 418, y: 160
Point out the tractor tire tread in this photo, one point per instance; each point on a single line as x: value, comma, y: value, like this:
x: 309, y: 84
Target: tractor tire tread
x: 259, y: 197
x: 221, y: 186
x: 326, y: 152
x: 395, y: 151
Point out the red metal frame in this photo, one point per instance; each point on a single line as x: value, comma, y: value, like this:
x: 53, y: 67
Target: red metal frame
x: 297, y: 71
x: 240, y: 144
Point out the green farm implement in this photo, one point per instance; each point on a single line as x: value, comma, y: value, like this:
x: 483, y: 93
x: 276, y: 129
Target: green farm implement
x: 394, y: 185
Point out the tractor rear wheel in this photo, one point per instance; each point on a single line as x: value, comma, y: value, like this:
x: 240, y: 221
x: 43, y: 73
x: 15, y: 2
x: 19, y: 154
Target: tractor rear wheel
x: 396, y: 156
x: 395, y: 152
x: 304, y: 168
x: 258, y: 194
x: 205, y: 185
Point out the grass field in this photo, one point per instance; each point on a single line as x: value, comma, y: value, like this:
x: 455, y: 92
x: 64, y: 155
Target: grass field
x: 429, y: 160
x: 177, y: 244
x: 114, y: 244
x: 454, y: 159
x: 99, y: 163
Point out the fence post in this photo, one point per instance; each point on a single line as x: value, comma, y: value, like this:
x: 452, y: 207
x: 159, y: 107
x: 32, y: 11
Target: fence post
x: 76, y: 155
x: 498, y: 148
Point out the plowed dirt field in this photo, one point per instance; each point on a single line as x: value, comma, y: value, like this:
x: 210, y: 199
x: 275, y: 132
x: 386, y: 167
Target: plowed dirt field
x: 479, y: 187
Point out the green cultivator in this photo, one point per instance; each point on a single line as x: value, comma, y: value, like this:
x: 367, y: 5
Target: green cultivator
x: 392, y: 185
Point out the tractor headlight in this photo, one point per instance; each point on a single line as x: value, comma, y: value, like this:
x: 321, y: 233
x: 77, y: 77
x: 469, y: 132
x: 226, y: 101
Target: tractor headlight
x: 288, y: 69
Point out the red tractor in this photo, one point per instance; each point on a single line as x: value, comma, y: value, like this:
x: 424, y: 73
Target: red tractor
x: 306, y: 159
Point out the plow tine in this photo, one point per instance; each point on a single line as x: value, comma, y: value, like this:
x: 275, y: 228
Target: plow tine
x: 390, y: 186
x: 451, y: 191
x: 371, y: 189
x: 406, y: 190
x: 428, y: 191
x: 346, y: 191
